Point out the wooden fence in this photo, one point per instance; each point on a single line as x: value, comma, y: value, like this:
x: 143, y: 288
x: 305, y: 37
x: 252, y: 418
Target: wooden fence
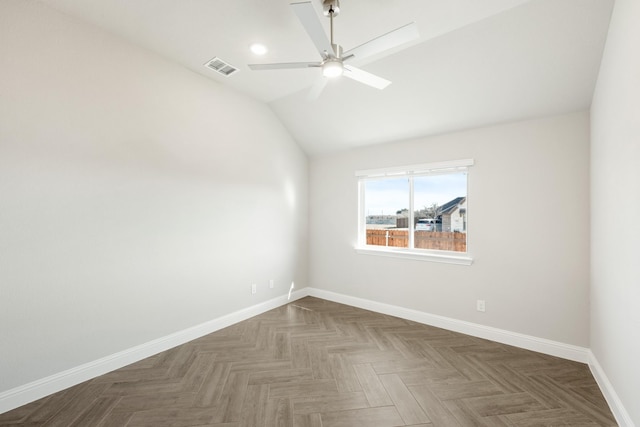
x: 438, y: 240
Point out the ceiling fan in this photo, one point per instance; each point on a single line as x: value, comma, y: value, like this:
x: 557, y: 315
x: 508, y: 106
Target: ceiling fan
x: 333, y: 58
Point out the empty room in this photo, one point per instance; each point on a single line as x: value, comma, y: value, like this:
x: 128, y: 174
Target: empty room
x: 322, y: 213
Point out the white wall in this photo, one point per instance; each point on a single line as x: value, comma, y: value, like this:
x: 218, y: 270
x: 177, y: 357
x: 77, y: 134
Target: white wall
x: 615, y: 207
x: 528, y: 223
x: 136, y: 198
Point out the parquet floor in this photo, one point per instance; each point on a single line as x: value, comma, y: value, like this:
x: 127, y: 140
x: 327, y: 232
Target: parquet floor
x: 320, y: 364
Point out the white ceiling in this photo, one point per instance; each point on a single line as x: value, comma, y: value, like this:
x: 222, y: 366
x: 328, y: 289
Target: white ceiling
x: 477, y: 62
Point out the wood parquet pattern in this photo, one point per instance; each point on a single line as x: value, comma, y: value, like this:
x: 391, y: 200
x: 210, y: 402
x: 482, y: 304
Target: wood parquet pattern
x: 315, y: 363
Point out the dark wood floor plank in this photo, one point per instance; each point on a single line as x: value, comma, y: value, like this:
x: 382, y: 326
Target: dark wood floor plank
x: 283, y: 346
x: 307, y: 420
x: 448, y: 375
x: 373, y: 388
x: 142, y: 402
x: 339, y: 402
x: 551, y: 417
x: 254, y: 406
x: 494, y: 373
x: 44, y: 409
x: 404, y: 365
x: 379, y: 337
x: 98, y: 411
x: 460, y: 363
x: 405, y: 403
x: 265, y: 364
x: 464, y: 415
x: 172, y: 417
x: 320, y: 364
x: 280, y: 376
x: 315, y: 363
x: 211, y: 390
x: 467, y: 389
x: 344, y: 374
x: 197, y: 373
x: 19, y: 415
x: 540, y: 392
x: 279, y: 413
x: 326, y: 387
x: 116, y: 419
x: 433, y: 407
x: 592, y: 394
x: 385, y: 416
x: 576, y: 402
x: 300, y: 353
x: 77, y: 408
x: 232, y: 399
x: 504, y: 404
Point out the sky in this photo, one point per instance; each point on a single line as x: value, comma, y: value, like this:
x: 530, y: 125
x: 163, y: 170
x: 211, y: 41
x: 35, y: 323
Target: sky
x: 389, y: 195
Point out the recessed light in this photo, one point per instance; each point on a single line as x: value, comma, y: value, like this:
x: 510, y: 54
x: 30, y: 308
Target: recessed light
x: 258, y: 48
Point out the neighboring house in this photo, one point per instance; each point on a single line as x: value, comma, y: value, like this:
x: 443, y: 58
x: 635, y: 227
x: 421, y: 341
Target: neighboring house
x: 454, y: 215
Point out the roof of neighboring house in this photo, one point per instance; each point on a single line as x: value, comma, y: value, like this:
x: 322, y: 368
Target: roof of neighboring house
x: 449, y: 207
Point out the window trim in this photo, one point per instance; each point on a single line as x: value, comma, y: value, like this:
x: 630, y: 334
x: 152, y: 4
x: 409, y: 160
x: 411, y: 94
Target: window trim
x: 421, y: 169
x: 440, y: 256
x: 449, y: 257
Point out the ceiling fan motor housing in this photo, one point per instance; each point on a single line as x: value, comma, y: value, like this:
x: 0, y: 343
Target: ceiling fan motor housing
x: 332, y: 68
x: 332, y: 65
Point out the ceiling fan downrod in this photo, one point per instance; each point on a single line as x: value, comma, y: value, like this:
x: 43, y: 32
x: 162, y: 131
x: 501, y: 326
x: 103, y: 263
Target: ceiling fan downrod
x: 332, y: 9
x: 331, y: 12
x: 332, y: 64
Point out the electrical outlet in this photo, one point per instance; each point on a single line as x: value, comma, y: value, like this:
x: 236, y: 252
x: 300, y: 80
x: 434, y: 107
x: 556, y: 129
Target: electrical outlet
x: 480, y: 305
x: 271, y: 282
x: 254, y: 288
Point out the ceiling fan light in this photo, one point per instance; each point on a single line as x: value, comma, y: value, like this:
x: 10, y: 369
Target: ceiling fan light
x: 332, y: 69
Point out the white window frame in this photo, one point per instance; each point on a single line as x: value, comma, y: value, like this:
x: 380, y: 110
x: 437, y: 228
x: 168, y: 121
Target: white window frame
x: 450, y: 257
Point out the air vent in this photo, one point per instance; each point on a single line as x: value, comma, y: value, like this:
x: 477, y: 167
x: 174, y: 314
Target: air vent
x: 219, y: 66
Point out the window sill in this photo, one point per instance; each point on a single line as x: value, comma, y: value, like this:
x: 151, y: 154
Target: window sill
x: 421, y: 256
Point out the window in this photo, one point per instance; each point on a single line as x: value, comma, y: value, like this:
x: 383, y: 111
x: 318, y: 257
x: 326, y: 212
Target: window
x: 418, y: 212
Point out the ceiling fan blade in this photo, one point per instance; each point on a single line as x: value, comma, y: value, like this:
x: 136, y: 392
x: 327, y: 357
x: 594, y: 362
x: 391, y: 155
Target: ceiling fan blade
x: 309, y: 19
x: 284, y: 65
x: 317, y: 88
x: 364, y: 77
x: 384, y: 42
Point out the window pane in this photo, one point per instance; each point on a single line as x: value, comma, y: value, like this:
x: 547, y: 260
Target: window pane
x: 440, y: 210
x: 386, y: 210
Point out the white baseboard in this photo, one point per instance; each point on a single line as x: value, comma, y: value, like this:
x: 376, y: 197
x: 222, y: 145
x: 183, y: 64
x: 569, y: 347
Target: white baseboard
x: 541, y: 345
x: 30, y: 392
x: 617, y: 408
x: 35, y: 390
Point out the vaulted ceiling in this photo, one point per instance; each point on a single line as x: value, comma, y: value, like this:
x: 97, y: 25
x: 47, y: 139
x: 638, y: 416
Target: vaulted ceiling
x: 476, y: 63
